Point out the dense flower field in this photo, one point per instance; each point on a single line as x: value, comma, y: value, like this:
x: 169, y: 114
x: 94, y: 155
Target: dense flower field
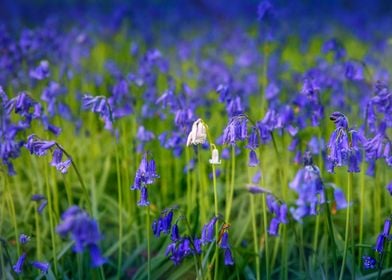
x: 182, y: 142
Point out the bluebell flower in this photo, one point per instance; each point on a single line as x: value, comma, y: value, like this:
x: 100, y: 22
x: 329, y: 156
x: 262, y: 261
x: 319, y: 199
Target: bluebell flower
x: 175, y: 235
x: 344, y: 145
x: 24, y: 239
x: 84, y: 231
x: 228, y: 260
x: 42, y: 266
x: 310, y: 188
x: 163, y: 224
x: 97, y: 259
x: 41, y: 71
x: 274, y: 226
x: 208, y: 231
x: 340, y: 199
x: 143, y: 197
x: 224, y: 242
x: 42, y: 206
x: 18, y: 267
x: 379, y: 248
x: 369, y: 262
x: 100, y: 105
x: 387, y: 227
x: 146, y: 173
x: 253, y: 161
x: 236, y: 130
x: 333, y: 45
x: 37, y: 146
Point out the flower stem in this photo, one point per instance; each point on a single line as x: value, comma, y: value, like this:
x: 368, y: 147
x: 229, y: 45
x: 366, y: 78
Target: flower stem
x: 216, y: 224
x: 255, y: 239
x: 231, y: 189
x: 266, y: 241
x: 347, y: 228
x: 120, y: 220
x: 148, y: 243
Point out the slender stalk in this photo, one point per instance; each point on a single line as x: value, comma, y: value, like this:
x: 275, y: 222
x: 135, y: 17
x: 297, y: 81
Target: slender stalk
x: 51, y: 222
x: 216, y: 224
x: 331, y: 232
x: 231, y: 190
x: 266, y: 238
x: 120, y: 217
x: 255, y: 239
x: 347, y: 227
x: 11, y: 207
x: 148, y: 243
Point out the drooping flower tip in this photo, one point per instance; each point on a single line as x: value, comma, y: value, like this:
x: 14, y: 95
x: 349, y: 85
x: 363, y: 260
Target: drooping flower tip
x: 42, y: 266
x: 143, y: 197
x: 228, y: 257
x: 339, y: 119
x: 24, y: 239
x: 215, y: 157
x: 256, y: 189
x: 198, y: 134
x: 18, y: 267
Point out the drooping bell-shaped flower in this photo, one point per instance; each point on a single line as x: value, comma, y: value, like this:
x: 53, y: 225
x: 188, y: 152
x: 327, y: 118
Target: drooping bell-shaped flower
x: 198, y: 134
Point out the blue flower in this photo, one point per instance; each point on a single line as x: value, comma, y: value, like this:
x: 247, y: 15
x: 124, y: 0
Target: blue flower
x: 208, y: 231
x: 163, y: 224
x: 100, y: 105
x: 253, y: 161
x: 143, y: 197
x: 369, y: 262
x: 41, y: 71
x: 84, y: 231
x: 24, y: 239
x: 344, y: 145
x: 236, y: 130
x: 42, y: 266
x: 228, y: 257
x: 18, y: 267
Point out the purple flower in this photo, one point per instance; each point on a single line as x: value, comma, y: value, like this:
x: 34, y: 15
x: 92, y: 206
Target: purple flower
x: 340, y: 199
x: 37, y: 197
x: 208, y: 231
x: 274, y: 227
x: 42, y: 266
x: 38, y: 147
x: 146, y: 173
x: 253, y: 161
x: 379, y: 248
x: 236, y: 130
x: 24, y: 239
x: 42, y: 206
x: 143, y: 197
x: 387, y: 227
x: 100, y: 105
x: 18, y: 267
x: 41, y: 71
x: 228, y: 257
x: 224, y: 243
x: 96, y: 256
x: 163, y: 224
x: 175, y: 235
x: 84, y: 231
x: 344, y: 145
x: 369, y: 262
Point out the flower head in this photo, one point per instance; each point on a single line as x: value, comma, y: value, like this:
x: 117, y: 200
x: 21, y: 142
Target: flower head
x: 369, y: 262
x: 198, y: 134
x: 18, y: 267
x: 83, y: 229
x: 42, y: 266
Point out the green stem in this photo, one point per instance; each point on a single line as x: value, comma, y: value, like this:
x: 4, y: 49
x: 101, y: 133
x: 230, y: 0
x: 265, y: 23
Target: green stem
x: 148, y: 243
x: 11, y: 207
x: 120, y: 217
x: 51, y: 222
x: 255, y: 239
x: 347, y: 228
x: 331, y: 232
x: 231, y: 189
x: 266, y: 238
x: 216, y: 224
